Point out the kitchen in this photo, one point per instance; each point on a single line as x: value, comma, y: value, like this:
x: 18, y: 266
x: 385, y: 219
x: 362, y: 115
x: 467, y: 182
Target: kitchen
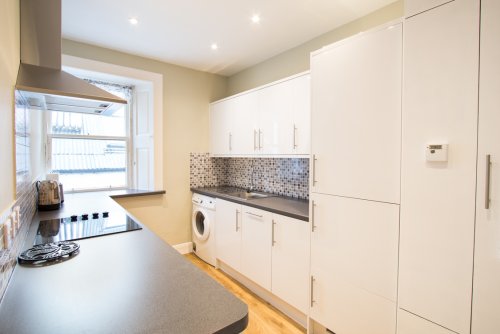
x: 428, y: 176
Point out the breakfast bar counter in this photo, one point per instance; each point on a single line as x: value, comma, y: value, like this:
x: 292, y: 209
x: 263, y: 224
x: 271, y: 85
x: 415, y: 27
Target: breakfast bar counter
x: 129, y: 282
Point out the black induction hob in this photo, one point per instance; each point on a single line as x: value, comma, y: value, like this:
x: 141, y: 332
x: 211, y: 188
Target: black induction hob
x: 84, y: 226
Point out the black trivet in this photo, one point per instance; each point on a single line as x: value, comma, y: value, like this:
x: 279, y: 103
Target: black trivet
x: 44, y: 253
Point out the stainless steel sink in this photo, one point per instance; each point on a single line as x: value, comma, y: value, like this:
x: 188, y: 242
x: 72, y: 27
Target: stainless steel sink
x: 249, y: 195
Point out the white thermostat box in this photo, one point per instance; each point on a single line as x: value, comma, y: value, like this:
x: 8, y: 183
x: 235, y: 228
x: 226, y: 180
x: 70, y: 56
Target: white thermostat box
x: 437, y: 152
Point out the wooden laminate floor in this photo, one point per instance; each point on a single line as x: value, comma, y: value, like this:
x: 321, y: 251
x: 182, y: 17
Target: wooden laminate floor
x: 263, y: 317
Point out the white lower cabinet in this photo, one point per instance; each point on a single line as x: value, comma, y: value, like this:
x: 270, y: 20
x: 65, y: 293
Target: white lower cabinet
x: 290, y: 261
x: 270, y: 249
x: 228, y: 233
x: 354, y: 263
x: 409, y: 323
x: 256, y: 246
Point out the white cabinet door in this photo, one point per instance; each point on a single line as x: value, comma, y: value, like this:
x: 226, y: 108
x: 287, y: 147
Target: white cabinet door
x: 356, y: 116
x: 411, y: 324
x: 413, y: 7
x: 256, y: 246
x: 220, y: 127
x: 228, y: 233
x: 276, y: 118
x: 245, y: 109
x: 486, y: 293
x: 354, y: 258
x: 290, y: 258
x: 438, y: 198
x: 301, y: 97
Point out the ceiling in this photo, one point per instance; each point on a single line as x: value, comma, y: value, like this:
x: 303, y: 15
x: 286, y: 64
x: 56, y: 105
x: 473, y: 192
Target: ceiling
x: 182, y: 32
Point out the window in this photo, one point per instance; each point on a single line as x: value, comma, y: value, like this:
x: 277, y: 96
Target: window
x: 91, y: 151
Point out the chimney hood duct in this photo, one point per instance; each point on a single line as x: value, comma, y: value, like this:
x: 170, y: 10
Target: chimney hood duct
x: 40, y: 79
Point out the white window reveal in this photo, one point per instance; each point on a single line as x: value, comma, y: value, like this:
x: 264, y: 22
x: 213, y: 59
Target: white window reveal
x: 91, y: 152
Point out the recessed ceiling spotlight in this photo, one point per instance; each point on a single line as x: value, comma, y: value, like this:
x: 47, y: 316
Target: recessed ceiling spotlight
x: 255, y: 18
x: 133, y: 20
x: 214, y: 46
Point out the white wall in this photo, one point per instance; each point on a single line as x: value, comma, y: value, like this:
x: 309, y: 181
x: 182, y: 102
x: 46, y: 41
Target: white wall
x: 9, y: 65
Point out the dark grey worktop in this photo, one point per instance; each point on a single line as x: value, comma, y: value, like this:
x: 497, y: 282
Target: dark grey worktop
x: 130, y: 282
x: 287, y: 206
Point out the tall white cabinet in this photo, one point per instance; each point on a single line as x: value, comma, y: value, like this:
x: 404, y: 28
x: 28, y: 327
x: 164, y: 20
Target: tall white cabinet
x: 486, y: 293
x: 356, y: 116
x: 441, y: 62
x: 355, y: 173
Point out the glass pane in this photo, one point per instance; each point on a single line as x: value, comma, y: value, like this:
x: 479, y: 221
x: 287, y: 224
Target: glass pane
x: 93, y: 125
x: 87, y: 164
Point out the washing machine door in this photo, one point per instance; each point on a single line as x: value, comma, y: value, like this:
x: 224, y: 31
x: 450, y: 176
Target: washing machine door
x: 201, y: 224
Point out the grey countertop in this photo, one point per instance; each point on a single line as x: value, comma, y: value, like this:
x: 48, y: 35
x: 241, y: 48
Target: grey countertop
x: 130, y: 282
x: 287, y: 206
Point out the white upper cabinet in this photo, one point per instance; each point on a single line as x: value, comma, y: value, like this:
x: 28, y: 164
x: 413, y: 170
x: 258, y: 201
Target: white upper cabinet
x: 273, y: 120
x: 356, y: 116
x: 438, y: 198
x: 301, y: 97
x: 486, y: 292
x: 245, y: 117
x: 276, y: 118
x: 413, y: 7
x: 221, y: 141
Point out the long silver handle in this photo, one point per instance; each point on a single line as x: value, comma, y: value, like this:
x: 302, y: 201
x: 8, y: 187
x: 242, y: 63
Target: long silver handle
x: 253, y: 214
x: 487, y: 186
x: 260, y: 135
x: 314, y: 170
x: 313, y: 227
x: 273, y: 242
x: 312, y: 291
x: 230, y: 140
x: 236, y: 220
x: 254, y: 140
x: 294, y: 137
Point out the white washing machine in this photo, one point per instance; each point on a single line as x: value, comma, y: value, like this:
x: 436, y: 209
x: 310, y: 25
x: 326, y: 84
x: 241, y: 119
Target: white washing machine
x: 203, y: 226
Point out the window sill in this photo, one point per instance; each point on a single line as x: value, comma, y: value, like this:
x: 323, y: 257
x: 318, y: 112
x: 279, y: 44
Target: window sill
x: 134, y: 192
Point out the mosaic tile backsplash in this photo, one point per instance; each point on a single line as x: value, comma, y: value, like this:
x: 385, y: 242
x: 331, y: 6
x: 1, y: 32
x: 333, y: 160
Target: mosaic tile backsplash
x: 11, y: 242
x: 281, y: 176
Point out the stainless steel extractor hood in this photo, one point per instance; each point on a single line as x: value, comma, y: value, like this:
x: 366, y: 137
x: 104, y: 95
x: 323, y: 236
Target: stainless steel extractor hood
x: 40, y: 79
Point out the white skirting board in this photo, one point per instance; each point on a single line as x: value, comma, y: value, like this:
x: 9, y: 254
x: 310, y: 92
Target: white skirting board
x: 184, y: 248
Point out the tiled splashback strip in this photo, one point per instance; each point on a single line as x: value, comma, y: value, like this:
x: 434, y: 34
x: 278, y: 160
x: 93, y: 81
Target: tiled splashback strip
x: 13, y: 234
x: 282, y: 176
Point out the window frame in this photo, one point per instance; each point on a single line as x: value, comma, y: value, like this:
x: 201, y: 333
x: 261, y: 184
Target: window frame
x: 127, y: 139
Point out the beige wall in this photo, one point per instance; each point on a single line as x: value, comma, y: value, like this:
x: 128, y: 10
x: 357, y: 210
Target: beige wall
x: 9, y: 64
x: 186, y: 94
x: 296, y: 60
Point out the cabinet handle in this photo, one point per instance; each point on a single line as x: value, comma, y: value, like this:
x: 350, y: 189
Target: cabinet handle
x: 230, y: 140
x: 236, y: 221
x: 314, y: 170
x: 254, y: 140
x: 312, y: 291
x: 260, y: 135
x: 313, y: 227
x: 253, y: 214
x: 487, y: 185
x: 273, y: 242
x: 294, y: 137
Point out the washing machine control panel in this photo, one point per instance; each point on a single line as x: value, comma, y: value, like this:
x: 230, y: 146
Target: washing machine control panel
x: 204, y: 201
